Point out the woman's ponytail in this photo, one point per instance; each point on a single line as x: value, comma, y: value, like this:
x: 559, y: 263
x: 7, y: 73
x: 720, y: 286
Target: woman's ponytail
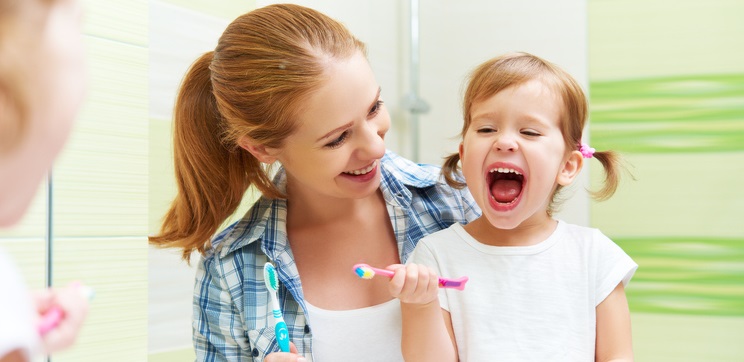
x: 211, y: 177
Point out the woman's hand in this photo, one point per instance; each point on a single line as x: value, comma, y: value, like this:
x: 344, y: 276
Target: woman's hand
x: 292, y: 356
x: 413, y: 283
x: 73, y: 305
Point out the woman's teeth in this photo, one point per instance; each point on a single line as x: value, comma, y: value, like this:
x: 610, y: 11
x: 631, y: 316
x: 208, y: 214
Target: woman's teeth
x: 362, y: 171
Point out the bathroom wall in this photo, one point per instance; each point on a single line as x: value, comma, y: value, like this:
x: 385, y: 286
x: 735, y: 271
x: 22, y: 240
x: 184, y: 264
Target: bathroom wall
x: 667, y: 85
x: 99, y: 204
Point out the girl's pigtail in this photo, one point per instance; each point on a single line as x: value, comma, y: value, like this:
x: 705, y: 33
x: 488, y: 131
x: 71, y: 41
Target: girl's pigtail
x: 450, y: 169
x: 611, y: 162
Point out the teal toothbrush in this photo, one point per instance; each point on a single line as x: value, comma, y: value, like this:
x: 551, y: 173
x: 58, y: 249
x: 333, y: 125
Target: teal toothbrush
x: 272, y: 284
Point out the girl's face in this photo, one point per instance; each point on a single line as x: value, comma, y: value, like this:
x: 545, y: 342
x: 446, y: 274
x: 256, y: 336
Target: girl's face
x: 339, y: 141
x: 56, y: 82
x: 513, y: 155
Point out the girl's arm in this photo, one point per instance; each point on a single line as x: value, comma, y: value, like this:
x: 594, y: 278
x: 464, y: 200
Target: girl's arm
x: 614, y: 340
x: 427, y: 329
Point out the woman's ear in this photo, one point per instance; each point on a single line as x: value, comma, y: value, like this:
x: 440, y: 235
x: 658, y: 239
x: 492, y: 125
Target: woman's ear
x: 571, y: 168
x: 261, y: 152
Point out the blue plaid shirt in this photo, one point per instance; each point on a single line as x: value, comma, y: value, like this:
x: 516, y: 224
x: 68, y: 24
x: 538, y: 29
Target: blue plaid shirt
x: 232, y: 318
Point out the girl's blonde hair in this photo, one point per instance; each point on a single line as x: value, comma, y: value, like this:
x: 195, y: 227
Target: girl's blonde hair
x: 514, y: 69
x: 266, y: 63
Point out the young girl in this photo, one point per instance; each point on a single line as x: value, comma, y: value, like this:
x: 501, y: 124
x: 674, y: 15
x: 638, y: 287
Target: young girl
x: 540, y: 289
x: 288, y: 85
x: 42, y: 84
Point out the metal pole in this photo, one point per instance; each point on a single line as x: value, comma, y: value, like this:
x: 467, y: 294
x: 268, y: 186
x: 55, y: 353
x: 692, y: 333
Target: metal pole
x: 49, y: 234
x: 413, y: 103
x: 414, y: 78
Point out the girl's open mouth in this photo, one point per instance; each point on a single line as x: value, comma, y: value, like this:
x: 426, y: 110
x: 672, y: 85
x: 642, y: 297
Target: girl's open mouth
x: 505, y: 185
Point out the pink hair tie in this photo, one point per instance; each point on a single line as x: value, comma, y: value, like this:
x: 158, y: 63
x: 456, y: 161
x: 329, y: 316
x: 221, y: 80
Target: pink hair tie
x: 586, y: 151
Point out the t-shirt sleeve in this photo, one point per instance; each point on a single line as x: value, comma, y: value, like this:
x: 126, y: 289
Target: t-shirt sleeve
x: 17, y: 330
x: 614, y: 266
x: 423, y: 254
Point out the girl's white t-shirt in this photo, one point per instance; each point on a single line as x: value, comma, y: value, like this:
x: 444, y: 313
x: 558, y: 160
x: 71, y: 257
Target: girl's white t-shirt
x: 17, y: 330
x: 370, y: 334
x: 531, y: 303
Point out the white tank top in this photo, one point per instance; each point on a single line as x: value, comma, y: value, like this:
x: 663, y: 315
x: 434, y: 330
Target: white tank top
x: 370, y: 334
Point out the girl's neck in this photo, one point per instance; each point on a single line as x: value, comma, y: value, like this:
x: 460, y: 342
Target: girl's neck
x: 529, y: 232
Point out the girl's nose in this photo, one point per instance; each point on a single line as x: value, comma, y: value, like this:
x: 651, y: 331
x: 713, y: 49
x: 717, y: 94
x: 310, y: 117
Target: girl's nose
x: 506, y: 143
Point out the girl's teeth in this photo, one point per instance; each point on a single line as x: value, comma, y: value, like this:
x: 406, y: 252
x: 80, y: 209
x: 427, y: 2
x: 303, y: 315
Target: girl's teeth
x: 505, y: 170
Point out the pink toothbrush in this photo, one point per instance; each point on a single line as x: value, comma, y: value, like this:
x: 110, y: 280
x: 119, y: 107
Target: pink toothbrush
x: 54, y: 315
x: 365, y: 271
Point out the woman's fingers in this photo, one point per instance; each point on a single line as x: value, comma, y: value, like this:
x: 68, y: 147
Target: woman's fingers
x: 292, y: 356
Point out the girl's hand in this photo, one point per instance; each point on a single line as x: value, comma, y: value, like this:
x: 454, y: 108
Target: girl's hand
x: 413, y: 283
x: 74, y: 307
x: 292, y: 356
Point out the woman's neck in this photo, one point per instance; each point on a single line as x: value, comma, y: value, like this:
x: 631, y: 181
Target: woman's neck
x: 303, y: 209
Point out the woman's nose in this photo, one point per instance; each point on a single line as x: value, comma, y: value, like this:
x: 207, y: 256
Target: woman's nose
x: 373, y: 141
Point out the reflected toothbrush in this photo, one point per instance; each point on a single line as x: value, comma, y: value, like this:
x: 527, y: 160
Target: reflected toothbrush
x: 272, y: 284
x: 365, y: 271
x: 51, y: 318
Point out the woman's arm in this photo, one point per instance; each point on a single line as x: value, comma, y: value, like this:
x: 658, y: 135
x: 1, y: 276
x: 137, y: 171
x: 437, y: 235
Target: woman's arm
x: 216, y: 321
x: 614, y: 338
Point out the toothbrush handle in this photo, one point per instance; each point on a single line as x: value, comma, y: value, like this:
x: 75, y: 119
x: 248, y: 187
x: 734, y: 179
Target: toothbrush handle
x: 383, y: 272
x: 458, y: 283
x: 49, y: 320
x: 282, y: 334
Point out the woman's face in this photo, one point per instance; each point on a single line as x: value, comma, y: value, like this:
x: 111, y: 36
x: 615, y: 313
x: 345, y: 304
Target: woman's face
x: 56, y: 81
x: 339, y: 141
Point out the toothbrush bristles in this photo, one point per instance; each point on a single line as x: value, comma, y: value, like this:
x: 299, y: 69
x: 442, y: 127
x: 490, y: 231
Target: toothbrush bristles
x: 364, y: 272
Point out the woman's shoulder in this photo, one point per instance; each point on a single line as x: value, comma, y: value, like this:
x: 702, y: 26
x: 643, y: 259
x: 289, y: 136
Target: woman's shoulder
x: 409, y: 172
x: 250, y: 228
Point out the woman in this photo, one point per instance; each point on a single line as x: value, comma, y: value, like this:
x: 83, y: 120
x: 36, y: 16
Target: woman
x: 288, y: 85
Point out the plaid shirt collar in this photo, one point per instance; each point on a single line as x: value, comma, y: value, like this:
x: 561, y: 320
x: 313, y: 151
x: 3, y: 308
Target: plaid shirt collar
x: 268, y: 219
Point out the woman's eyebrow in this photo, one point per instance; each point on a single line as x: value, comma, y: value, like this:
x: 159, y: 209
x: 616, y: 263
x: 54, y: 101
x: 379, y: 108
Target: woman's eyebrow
x: 345, y: 126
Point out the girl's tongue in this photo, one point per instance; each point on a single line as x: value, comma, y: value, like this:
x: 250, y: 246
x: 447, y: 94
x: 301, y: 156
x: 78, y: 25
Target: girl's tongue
x: 506, y: 189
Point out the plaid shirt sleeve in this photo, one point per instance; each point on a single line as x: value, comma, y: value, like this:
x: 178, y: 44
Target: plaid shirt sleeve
x: 218, y: 333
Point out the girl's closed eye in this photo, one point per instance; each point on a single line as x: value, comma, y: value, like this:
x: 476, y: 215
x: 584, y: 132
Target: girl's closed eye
x: 486, y: 130
x: 531, y: 132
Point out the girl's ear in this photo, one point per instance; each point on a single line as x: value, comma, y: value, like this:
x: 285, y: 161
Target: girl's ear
x: 460, y: 151
x: 261, y: 152
x: 570, y: 169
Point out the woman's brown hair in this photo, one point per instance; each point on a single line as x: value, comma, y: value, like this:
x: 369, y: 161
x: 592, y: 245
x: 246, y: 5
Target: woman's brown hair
x: 266, y: 63
x: 514, y: 69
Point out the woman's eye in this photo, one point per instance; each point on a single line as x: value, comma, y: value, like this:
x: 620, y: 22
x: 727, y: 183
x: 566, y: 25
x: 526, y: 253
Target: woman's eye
x: 338, y: 141
x: 376, y: 108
